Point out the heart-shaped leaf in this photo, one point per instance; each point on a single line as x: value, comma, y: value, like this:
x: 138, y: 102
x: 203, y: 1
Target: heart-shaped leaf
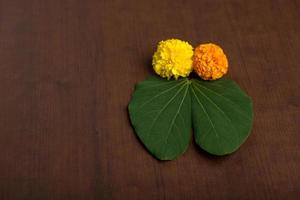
x: 222, y: 115
x: 160, y: 112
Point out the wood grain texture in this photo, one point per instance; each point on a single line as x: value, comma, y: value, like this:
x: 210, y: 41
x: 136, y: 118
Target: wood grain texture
x: 68, y: 69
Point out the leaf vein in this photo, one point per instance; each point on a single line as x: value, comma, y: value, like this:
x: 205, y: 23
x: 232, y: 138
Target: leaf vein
x: 165, y: 106
x: 224, y: 98
x: 230, y: 121
x: 159, y: 94
x: 175, y: 117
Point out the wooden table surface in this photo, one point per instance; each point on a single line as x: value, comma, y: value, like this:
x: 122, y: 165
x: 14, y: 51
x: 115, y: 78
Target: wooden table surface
x: 68, y: 69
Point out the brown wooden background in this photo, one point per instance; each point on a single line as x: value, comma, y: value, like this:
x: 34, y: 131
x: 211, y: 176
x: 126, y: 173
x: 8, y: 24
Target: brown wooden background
x: 67, y: 71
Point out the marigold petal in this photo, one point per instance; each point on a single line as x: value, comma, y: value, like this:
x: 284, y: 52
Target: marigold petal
x: 173, y: 58
x: 209, y: 61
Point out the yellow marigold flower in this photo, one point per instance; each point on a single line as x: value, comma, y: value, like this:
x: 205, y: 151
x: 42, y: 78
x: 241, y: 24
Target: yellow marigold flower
x: 209, y: 61
x: 173, y: 57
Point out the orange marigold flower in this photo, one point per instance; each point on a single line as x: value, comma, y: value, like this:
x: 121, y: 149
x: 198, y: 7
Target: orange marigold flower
x: 209, y: 61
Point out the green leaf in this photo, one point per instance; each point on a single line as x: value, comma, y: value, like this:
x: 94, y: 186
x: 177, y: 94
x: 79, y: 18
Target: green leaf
x: 221, y: 114
x: 163, y: 112
x: 160, y: 112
